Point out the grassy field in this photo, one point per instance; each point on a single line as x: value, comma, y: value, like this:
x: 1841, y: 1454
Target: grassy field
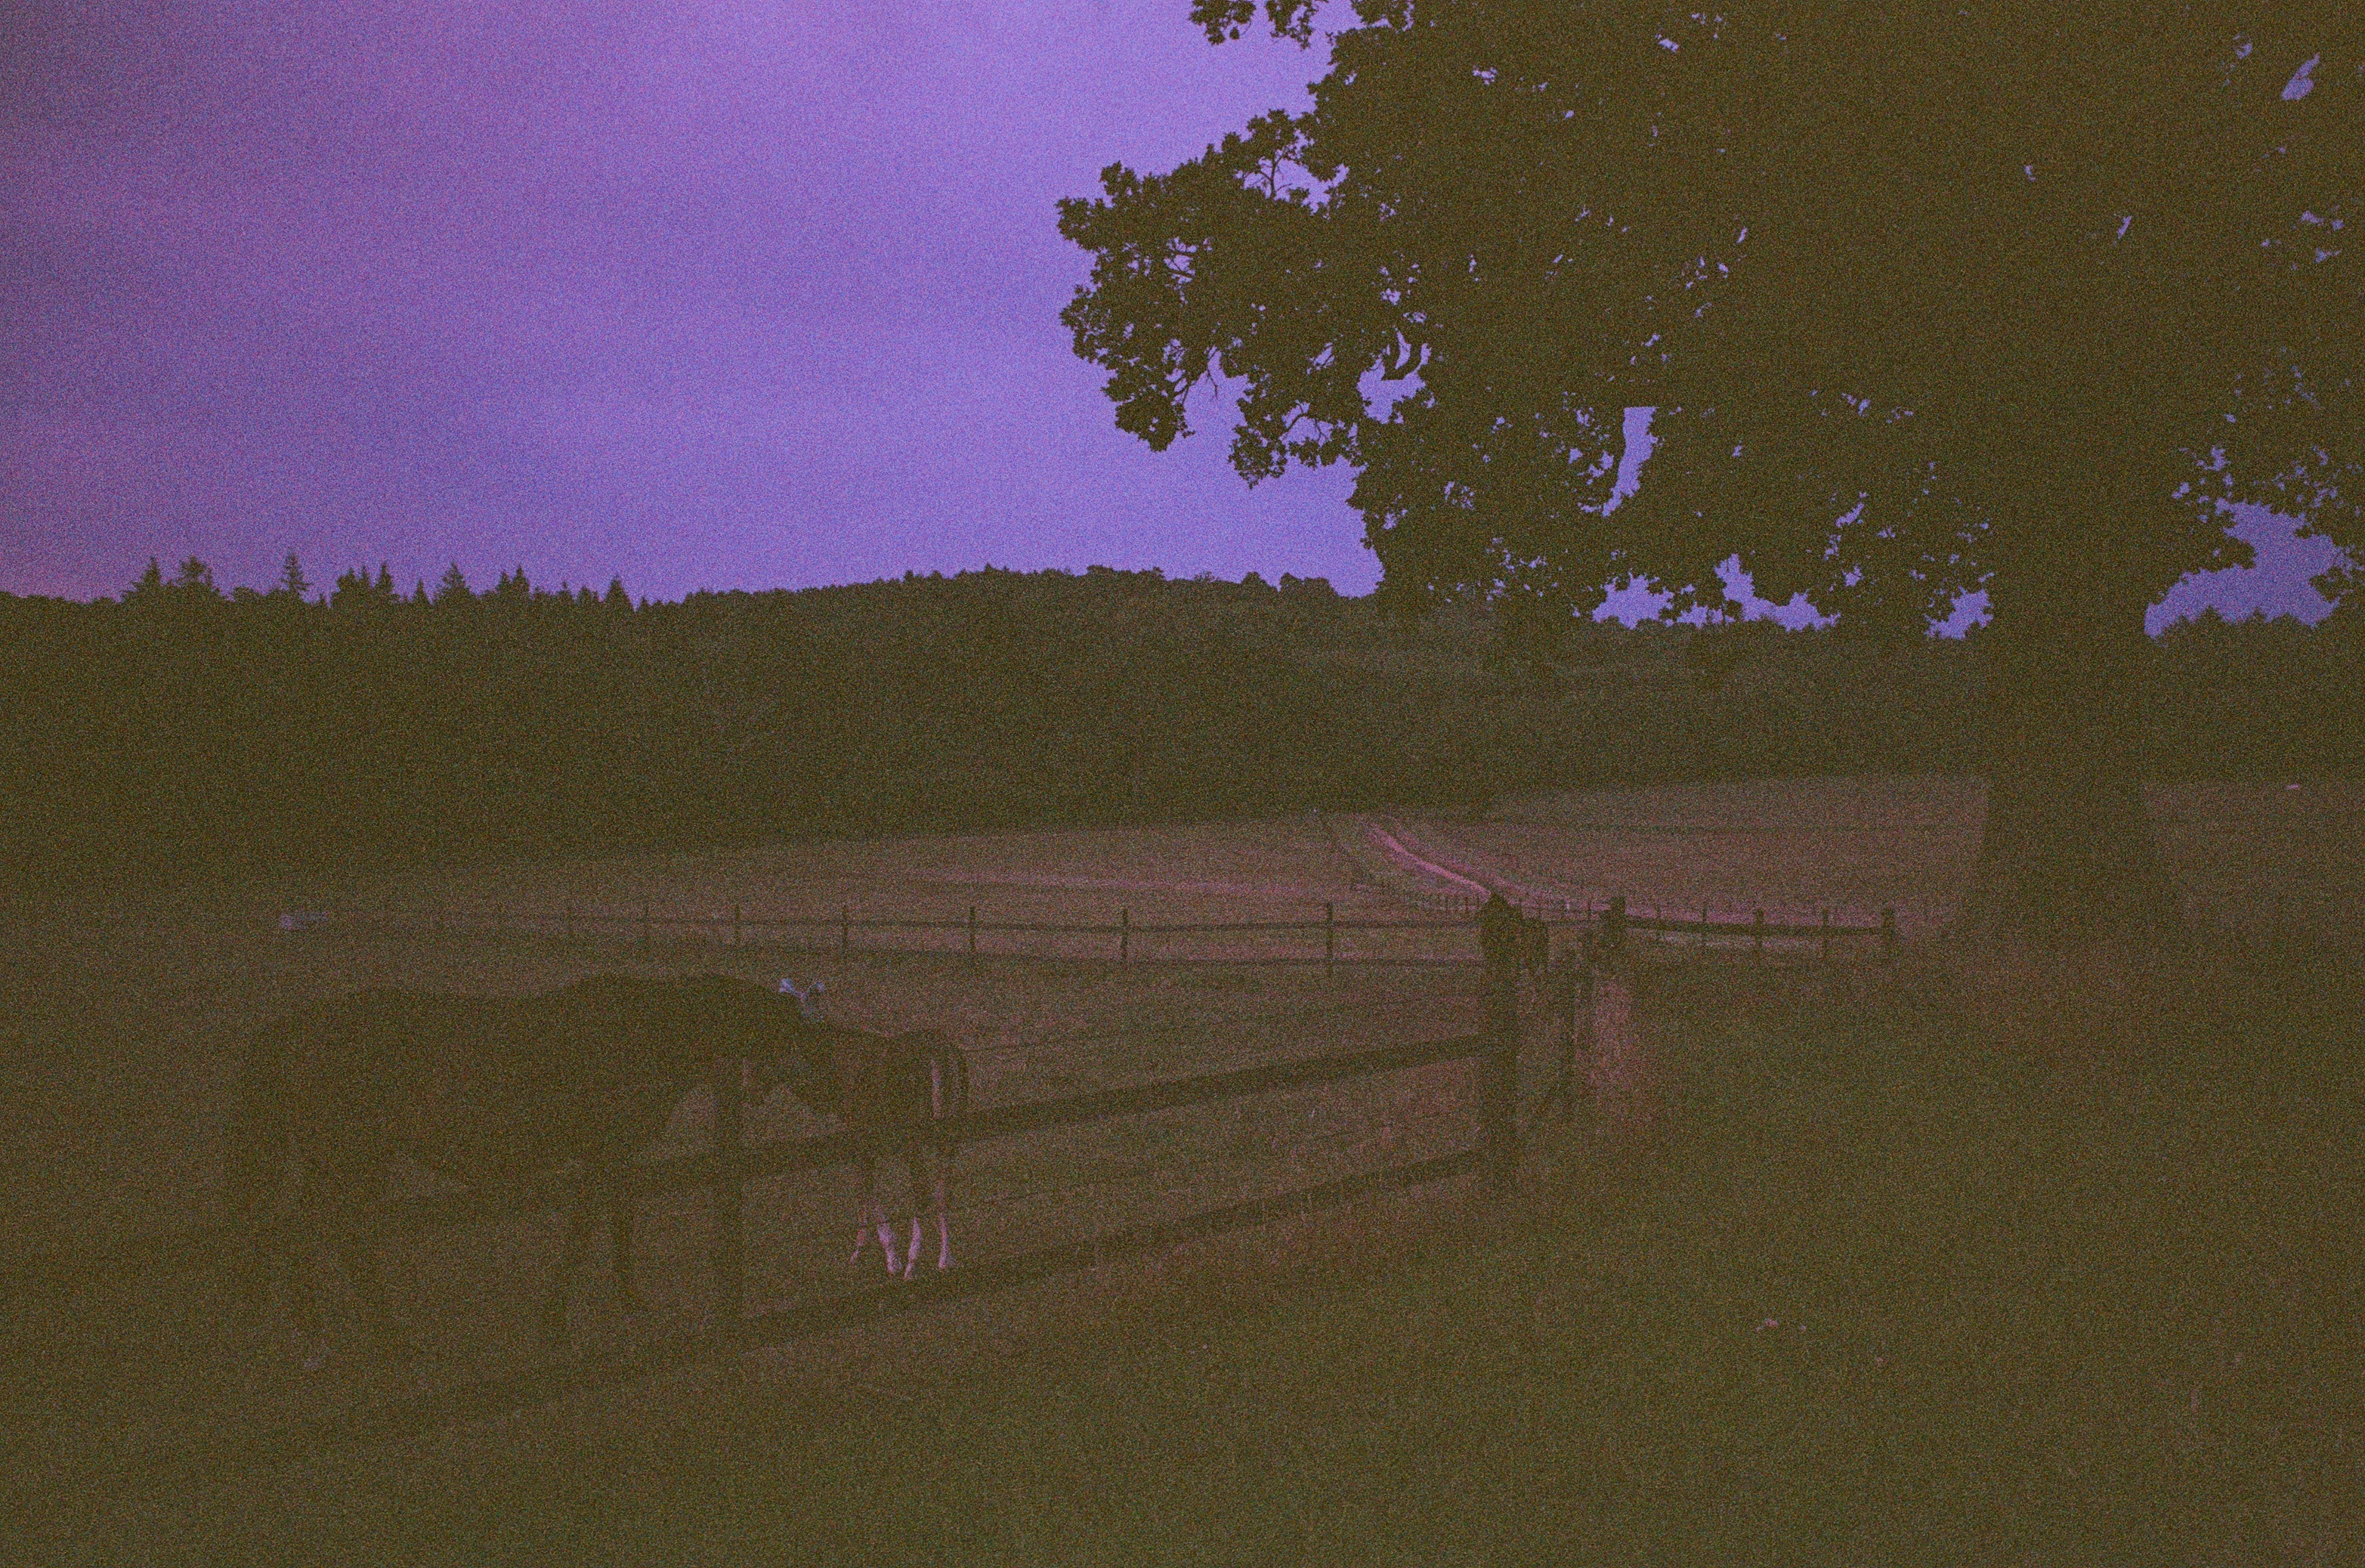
x: 1862, y: 1160
x: 132, y: 1363
x: 2263, y: 858
x: 1870, y: 1288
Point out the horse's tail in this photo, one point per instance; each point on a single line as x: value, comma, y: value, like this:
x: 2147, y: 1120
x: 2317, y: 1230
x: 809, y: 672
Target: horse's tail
x: 947, y: 1069
x: 257, y: 1139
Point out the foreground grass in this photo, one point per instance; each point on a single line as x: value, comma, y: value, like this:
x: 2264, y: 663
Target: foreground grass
x: 1869, y: 1289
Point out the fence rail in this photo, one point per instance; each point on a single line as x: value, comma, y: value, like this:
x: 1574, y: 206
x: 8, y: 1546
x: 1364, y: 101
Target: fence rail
x: 740, y: 927
x: 198, y: 1247
x: 726, y: 1166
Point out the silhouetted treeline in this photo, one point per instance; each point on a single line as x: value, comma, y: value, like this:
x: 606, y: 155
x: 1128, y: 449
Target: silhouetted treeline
x: 182, y: 730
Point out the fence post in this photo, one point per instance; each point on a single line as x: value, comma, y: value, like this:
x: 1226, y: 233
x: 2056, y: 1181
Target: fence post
x: 972, y: 938
x: 1889, y: 936
x: 1330, y: 941
x: 844, y: 930
x: 1827, y: 939
x: 1613, y: 925
x: 730, y: 1263
x: 1575, y: 982
x: 1757, y: 938
x: 1123, y: 935
x: 644, y: 926
x: 1500, y: 939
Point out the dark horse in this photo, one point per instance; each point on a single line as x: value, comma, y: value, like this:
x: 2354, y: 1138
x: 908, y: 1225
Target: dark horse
x: 504, y: 1089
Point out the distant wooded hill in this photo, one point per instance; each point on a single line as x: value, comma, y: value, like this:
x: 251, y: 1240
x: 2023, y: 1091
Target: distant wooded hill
x: 182, y: 731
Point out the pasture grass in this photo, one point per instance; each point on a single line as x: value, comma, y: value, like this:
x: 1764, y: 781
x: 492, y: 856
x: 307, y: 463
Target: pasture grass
x: 1881, y: 1281
x: 2252, y: 855
x: 114, y: 1134
x: 1227, y: 870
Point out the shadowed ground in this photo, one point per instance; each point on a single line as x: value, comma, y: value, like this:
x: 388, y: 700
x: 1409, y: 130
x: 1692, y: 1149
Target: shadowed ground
x: 1869, y: 1287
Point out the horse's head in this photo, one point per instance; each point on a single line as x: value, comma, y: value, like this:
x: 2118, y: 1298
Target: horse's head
x: 809, y: 998
x: 790, y: 1050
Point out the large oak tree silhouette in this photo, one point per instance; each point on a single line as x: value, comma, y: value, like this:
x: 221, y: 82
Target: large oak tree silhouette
x: 1928, y: 299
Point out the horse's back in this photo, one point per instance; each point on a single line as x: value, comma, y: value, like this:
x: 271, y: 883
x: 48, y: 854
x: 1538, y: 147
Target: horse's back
x: 588, y: 1042
x: 902, y: 1082
x: 349, y: 1051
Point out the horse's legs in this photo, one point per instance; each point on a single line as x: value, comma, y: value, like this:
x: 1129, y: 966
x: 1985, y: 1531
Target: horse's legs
x: 870, y: 1215
x: 304, y: 1301
x: 879, y: 1214
x: 913, y: 1159
x: 620, y: 1239
x: 941, y: 1170
x: 861, y: 1208
x: 570, y: 1255
x: 348, y: 1190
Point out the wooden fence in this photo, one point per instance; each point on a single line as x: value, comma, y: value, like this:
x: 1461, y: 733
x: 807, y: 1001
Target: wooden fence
x: 1120, y: 942
x: 729, y: 1164
x: 1617, y: 922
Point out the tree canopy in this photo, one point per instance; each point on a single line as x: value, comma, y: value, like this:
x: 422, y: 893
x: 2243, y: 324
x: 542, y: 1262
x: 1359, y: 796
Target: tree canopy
x: 1927, y: 299
x: 183, y: 731
x: 1920, y: 293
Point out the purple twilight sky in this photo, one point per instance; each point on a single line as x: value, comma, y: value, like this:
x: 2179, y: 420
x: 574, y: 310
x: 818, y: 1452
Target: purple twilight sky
x: 707, y: 296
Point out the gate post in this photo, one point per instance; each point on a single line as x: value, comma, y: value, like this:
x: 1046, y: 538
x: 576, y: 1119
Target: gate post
x: 730, y: 1266
x: 1889, y: 936
x: 1500, y: 939
x: 1613, y: 925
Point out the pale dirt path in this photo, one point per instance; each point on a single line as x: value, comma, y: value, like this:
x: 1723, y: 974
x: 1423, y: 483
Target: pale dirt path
x: 1454, y: 869
x: 1394, y: 848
